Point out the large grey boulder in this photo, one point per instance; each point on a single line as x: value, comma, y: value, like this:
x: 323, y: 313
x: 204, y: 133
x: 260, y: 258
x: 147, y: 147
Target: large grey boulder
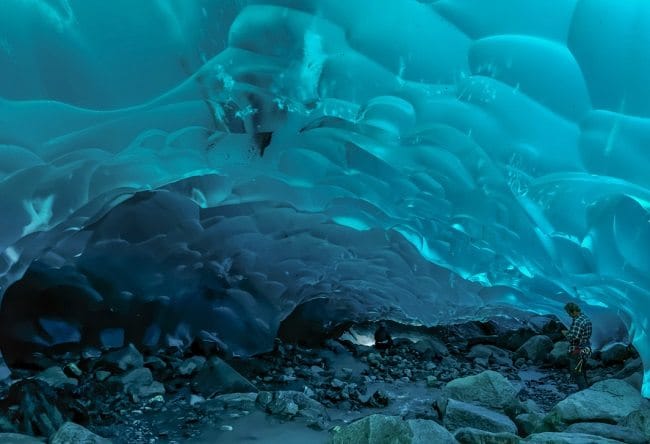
x: 606, y: 401
x: 383, y: 429
x: 536, y: 348
x: 461, y: 414
x: 218, y: 378
x: 567, y: 438
x: 470, y: 435
x: 528, y: 423
x: 638, y: 420
x: 74, y: 433
x: 611, y: 431
x: 138, y: 383
x: 121, y: 360
x: 614, y: 353
x: 559, y: 355
x: 55, y: 377
x: 490, y: 353
x: 489, y: 389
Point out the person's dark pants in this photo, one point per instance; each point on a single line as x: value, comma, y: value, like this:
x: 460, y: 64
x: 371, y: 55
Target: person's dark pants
x: 578, y: 370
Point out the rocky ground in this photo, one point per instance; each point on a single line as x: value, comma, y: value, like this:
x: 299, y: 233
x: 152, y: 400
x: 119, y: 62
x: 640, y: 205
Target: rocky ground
x: 498, y: 381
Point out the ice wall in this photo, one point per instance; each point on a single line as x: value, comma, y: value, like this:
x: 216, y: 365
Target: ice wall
x: 503, y: 141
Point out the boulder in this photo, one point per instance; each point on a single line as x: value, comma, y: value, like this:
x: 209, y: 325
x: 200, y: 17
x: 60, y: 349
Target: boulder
x: 461, y: 414
x: 614, y: 353
x: 468, y: 435
x: 218, y: 378
x: 122, y: 360
x: 55, y: 377
x: 567, y: 438
x: 431, y: 348
x: 638, y: 420
x: 606, y: 401
x: 383, y: 429
x: 138, y: 383
x: 290, y: 403
x: 38, y: 407
x: 528, y: 423
x: 616, y: 432
x: 559, y: 355
x: 17, y: 438
x: 74, y: 433
x: 231, y: 401
x: 490, y: 353
x: 191, y: 365
x: 489, y: 389
x: 536, y: 348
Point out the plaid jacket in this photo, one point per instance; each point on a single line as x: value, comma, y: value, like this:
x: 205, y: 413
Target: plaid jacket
x: 580, y: 335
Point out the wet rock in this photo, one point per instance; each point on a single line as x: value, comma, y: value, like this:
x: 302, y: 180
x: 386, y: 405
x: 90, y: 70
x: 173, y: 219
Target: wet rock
x: 218, y: 378
x: 489, y: 389
x: 606, y: 401
x: 631, y: 367
x: 490, y: 353
x: 138, y: 383
x: 536, y: 348
x: 459, y: 414
x: 620, y: 433
x: 638, y: 420
x: 155, y: 364
x: 74, y: 433
x: 121, y: 360
x: 55, y: 377
x: 567, y: 438
x: 72, y: 370
x: 17, y: 438
x: 37, y: 407
x: 559, y: 355
x: 290, y: 404
x: 383, y: 429
x: 189, y: 366
x: 614, y: 353
x: 102, y: 375
x: 432, y: 381
x: 468, y: 435
x: 528, y: 423
x: 431, y: 348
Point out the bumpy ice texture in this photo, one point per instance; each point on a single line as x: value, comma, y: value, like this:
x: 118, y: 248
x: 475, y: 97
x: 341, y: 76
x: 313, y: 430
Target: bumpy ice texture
x: 411, y: 159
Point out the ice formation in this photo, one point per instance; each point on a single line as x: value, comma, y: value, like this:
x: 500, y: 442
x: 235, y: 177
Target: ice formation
x: 214, y: 164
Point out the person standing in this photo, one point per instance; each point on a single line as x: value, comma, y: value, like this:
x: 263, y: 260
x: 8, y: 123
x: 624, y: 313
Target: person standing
x: 579, y: 337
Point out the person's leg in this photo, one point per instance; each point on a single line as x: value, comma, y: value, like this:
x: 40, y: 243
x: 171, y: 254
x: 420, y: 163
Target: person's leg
x: 576, y: 371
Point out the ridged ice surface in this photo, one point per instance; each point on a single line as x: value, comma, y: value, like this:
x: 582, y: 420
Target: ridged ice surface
x: 504, y: 141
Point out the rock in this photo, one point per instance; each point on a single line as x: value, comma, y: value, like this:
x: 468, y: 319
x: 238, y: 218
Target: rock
x: 72, y: 370
x: 490, y: 353
x: 616, y: 432
x: 154, y: 363
x: 528, y: 423
x: 461, y: 414
x: 121, y: 360
x: 638, y: 420
x: 431, y: 381
x: 488, y: 388
x: 383, y: 429
x: 289, y: 404
x: 559, y: 355
x: 55, y: 377
x: 232, y: 401
x: 536, y: 348
x: 139, y: 383
x: 635, y: 380
x: 606, y: 401
x: 567, y: 438
x: 191, y: 365
x: 431, y: 348
x: 614, y: 353
x: 102, y: 375
x: 38, y: 409
x: 74, y: 433
x: 17, y: 438
x: 631, y: 367
x: 468, y: 435
x: 218, y: 378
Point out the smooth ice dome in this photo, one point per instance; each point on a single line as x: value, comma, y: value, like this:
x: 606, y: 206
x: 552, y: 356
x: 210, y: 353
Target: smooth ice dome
x: 181, y: 166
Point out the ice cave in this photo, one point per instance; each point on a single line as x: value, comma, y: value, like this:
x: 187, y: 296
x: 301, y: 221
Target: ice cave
x: 247, y: 170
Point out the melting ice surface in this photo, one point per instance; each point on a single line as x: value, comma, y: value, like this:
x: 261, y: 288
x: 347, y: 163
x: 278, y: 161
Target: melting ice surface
x: 376, y: 158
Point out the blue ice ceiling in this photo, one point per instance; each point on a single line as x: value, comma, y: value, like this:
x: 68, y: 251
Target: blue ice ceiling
x: 412, y: 159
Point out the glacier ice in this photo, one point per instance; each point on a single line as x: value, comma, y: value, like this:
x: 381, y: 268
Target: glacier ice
x: 215, y: 164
